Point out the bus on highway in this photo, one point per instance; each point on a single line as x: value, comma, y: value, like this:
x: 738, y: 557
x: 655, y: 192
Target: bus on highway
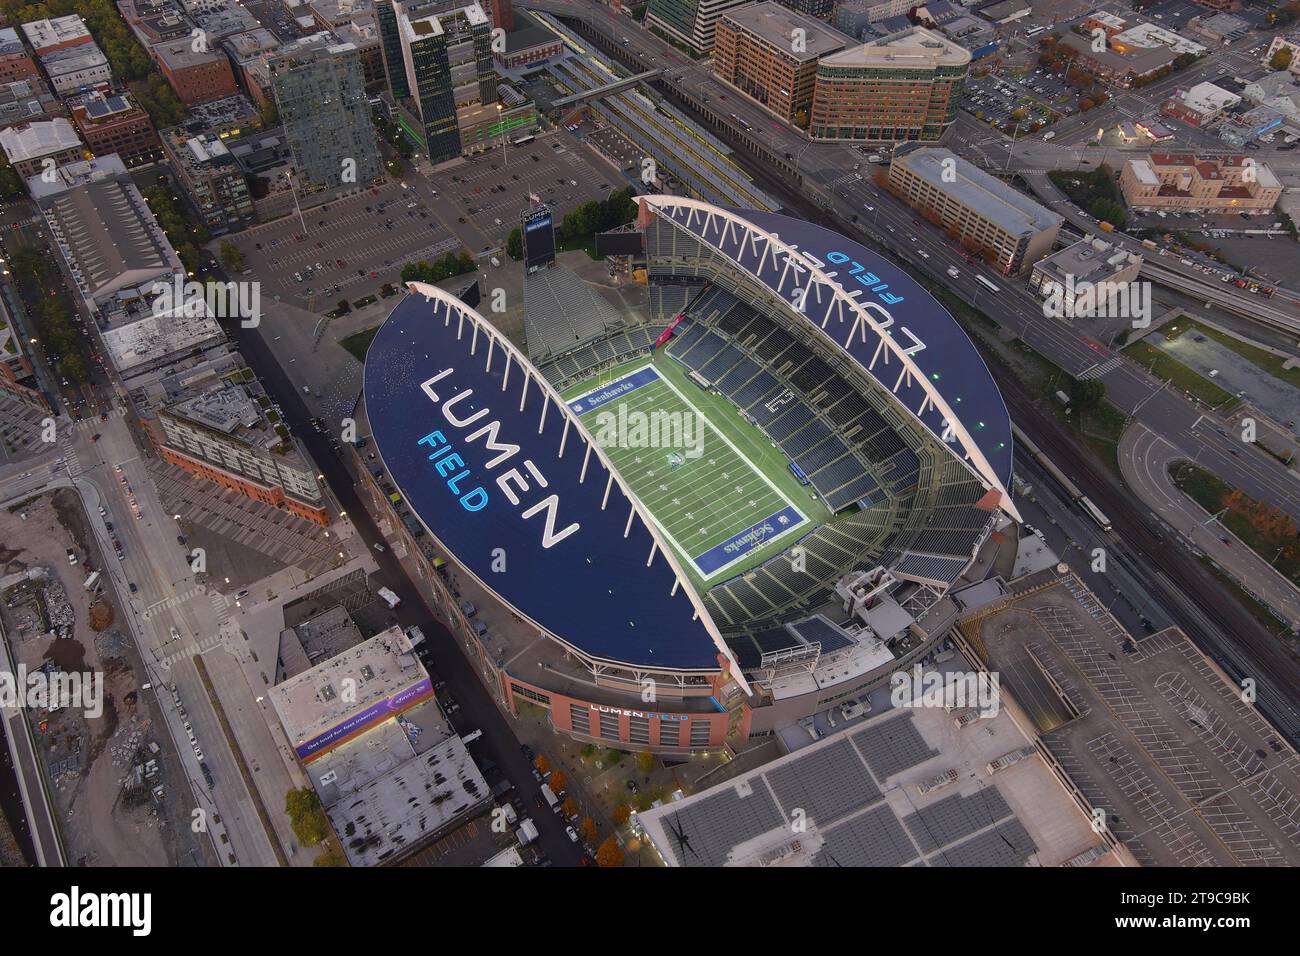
x: 987, y: 284
x: 1093, y: 512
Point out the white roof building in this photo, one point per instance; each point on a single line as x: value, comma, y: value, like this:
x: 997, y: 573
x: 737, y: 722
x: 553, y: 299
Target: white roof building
x: 30, y: 141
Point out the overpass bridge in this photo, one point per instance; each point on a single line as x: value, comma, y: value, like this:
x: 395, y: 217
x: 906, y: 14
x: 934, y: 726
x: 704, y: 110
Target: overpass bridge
x: 595, y: 93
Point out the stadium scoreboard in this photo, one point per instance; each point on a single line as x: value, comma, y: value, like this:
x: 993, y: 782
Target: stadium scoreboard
x: 539, y: 238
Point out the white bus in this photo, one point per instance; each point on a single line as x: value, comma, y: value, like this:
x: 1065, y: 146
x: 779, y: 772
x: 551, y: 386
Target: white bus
x: 522, y: 140
x: 1034, y: 31
x: 1093, y: 512
x: 987, y: 284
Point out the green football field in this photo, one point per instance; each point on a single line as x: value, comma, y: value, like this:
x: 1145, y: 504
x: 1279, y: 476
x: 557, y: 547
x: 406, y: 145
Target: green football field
x: 718, y: 490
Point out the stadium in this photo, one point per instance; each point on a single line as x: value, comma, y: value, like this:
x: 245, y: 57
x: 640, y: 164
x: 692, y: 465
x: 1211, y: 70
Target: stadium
x: 712, y: 523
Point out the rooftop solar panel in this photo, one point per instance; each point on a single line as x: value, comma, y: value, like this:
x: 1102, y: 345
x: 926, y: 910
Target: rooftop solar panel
x: 826, y: 785
x: 875, y: 838
x: 729, y: 818
x: 956, y: 817
x: 893, y: 746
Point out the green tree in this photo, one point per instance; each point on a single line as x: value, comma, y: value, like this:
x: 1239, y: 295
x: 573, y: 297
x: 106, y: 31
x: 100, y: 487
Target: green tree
x: 1281, y: 59
x: 515, y: 244
x: 232, y: 257
x: 306, y: 816
x: 645, y: 761
x: 11, y: 184
x: 1087, y: 394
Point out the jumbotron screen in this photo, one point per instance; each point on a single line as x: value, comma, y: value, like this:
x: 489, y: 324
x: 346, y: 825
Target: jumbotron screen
x: 539, y: 241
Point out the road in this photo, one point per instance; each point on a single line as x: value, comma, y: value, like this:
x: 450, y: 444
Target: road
x: 1145, y: 458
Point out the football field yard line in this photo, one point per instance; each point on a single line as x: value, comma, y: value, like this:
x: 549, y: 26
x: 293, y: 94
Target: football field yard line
x: 710, y: 499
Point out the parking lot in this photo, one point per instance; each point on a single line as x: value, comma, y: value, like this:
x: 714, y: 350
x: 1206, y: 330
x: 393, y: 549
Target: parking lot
x: 350, y: 247
x: 993, y: 99
x: 485, y: 196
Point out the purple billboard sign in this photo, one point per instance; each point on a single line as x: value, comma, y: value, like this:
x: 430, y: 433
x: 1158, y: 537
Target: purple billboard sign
x: 388, y: 707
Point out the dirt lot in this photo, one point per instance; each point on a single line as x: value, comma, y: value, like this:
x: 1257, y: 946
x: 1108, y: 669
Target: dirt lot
x: 98, y: 766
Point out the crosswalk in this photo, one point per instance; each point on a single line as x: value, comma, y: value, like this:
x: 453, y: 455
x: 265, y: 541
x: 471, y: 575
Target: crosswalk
x: 69, y: 455
x: 1101, y: 369
x: 191, y: 649
x: 93, y: 424
x: 168, y: 603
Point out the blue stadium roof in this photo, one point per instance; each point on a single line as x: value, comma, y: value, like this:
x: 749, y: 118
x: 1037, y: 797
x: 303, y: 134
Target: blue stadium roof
x: 489, y: 458
x: 940, y: 349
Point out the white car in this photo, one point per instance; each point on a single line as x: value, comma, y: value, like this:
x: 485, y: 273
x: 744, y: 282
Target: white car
x: 573, y: 834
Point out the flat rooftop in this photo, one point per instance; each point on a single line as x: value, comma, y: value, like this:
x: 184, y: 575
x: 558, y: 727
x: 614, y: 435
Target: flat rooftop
x: 975, y: 189
x: 346, y: 684
x: 861, y: 791
x: 1147, y: 728
x: 775, y: 24
x: 913, y: 48
x: 397, y: 785
x: 1091, y: 260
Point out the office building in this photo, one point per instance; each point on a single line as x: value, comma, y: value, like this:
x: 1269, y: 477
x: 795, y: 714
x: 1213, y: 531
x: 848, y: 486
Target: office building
x: 1085, y: 275
x: 391, y: 772
x: 321, y: 98
x: 28, y: 146
x: 754, y: 53
x: 905, y: 86
x: 223, y: 434
x: 689, y: 23
x: 986, y: 215
x: 197, y: 77
x: 438, y: 58
x: 15, y: 64
x: 211, y: 178
x: 1201, y: 105
x: 1184, y: 182
x: 1123, y: 69
x: 114, y: 124
x: 26, y: 101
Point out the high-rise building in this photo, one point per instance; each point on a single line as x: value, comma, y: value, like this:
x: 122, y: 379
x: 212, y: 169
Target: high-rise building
x: 438, y: 58
x: 320, y: 94
x: 754, y: 53
x: 905, y: 86
x: 503, y: 14
x: 692, y: 23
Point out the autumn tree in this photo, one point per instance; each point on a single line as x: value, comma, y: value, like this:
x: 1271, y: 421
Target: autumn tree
x: 621, y: 814
x: 609, y: 854
x: 569, y: 807
x: 558, y: 780
x: 542, y: 764
x: 306, y: 816
x: 588, y: 829
x: 645, y: 761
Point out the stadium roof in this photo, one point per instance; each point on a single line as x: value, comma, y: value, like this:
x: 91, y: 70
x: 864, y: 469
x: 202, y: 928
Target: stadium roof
x: 498, y: 468
x: 895, y: 330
